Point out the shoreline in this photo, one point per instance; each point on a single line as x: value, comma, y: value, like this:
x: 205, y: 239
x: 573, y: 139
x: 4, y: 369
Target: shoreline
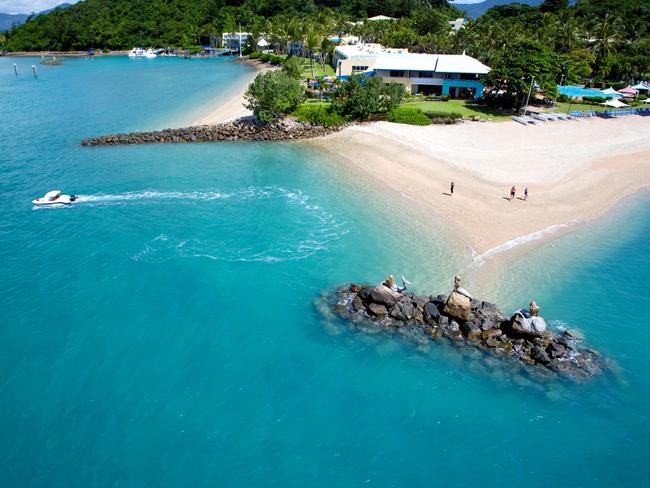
x: 570, y: 184
x: 226, y: 108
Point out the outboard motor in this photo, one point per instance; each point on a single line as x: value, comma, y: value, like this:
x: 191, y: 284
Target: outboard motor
x: 73, y: 198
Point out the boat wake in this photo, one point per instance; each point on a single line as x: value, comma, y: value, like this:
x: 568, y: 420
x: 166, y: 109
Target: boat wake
x: 148, y: 195
x: 269, y: 224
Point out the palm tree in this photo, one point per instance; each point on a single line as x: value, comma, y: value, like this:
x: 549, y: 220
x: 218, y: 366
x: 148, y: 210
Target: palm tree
x: 604, y: 36
x: 313, y: 41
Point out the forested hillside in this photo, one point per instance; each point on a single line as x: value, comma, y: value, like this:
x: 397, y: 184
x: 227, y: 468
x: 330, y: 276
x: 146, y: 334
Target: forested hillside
x: 597, y: 39
x: 120, y: 24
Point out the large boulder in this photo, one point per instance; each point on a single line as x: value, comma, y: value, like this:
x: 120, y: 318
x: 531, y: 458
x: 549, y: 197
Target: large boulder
x: 431, y: 313
x: 527, y: 326
x: 402, y: 311
x: 379, y: 294
x: 471, y: 330
x: 458, y: 306
x: 377, y: 309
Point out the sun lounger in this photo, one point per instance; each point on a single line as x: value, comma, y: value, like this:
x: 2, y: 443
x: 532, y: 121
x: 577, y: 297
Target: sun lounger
x: 519, y: 119
x: 551, y: 116
x: 561, y: 116
x: 540, y: 117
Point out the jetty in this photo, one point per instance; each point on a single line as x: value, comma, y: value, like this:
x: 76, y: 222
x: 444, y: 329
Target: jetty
x: 465, y: 321
x: 247, y: 129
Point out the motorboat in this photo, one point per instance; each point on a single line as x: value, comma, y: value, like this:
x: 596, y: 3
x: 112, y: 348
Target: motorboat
x: 138, y: 52
x: 54, y: 197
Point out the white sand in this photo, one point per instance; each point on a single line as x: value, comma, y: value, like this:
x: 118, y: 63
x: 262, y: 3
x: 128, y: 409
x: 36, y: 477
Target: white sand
x: 574, y: 170
x: 231, y: 106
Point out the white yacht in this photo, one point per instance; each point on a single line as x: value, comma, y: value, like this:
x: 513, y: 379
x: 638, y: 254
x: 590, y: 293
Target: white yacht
x: 54, y: 197
x: 138, y: 52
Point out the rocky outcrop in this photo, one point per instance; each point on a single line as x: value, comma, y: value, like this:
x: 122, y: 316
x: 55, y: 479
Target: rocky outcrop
x: 523, y: 336
x: 240, y: 130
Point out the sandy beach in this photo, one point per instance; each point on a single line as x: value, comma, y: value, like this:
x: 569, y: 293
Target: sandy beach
x: 575, y: 171
x: 233, y: 107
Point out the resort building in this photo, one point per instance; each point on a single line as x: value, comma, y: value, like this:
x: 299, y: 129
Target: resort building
x: 231, y: 40
x: 455, y: 75
x: 357, y: 58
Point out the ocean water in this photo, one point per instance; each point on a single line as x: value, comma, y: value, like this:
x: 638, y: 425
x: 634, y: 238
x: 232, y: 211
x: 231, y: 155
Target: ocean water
x: 166, y: 330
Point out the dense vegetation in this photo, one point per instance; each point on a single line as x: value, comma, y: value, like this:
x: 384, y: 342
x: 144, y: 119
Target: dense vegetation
x: 593, y: 40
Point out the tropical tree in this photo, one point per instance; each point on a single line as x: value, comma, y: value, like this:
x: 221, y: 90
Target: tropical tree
x: 273, y: 94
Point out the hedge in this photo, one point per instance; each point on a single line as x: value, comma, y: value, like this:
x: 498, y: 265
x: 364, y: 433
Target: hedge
x: 318, y: 115
x: 408, y: 115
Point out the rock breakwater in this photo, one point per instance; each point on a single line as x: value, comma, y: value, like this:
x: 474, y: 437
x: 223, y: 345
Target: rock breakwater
x: 240, y: 130
x: 466, y: 321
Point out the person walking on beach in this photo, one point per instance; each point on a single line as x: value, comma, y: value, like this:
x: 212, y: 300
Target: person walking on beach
x: 451, y: 188
x: 525, y: 194
x: 513, y: 192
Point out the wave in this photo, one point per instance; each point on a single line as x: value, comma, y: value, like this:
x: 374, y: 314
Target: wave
x: 310, y: 229
x: 150, y: 195
x: 479, y: 259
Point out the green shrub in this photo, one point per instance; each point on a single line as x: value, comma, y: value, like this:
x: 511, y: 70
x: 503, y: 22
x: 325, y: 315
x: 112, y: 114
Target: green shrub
x: 318, y: 115
x: 276, y: 60
x: 265, y: 57
x: 255, y: 55
x: 407, y: 115
x: 444, y: 115
x: 592, y: 99
x: 437, y: 98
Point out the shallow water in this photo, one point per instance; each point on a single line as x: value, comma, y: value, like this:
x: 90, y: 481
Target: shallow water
x: 163, y: 331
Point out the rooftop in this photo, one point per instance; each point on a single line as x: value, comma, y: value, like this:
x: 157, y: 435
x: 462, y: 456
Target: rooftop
x: 440, y: 63
x: 380, y: 17
x: 365, y: 50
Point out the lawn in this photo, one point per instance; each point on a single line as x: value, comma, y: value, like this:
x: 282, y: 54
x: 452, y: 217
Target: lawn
x: 318, y: 69
x: 466, y: 108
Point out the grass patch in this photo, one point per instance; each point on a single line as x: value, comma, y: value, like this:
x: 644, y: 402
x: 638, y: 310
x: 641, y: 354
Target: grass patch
x: 318, y: 114
x: 465, y: 108
x: 319, y: 72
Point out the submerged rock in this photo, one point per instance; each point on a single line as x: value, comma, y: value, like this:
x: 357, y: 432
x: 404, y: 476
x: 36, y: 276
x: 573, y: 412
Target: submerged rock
x: 523, y: 337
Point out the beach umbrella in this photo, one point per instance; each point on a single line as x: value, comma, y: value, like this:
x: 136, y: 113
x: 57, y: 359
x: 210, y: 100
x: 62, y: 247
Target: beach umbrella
x: 615, y: 103
x: 611, y: 92
x: 628, y: 91
x: 641, y: 87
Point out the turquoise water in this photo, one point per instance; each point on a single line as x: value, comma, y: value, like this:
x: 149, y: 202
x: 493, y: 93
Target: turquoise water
x: 163, y: 332
x: 576, y: 91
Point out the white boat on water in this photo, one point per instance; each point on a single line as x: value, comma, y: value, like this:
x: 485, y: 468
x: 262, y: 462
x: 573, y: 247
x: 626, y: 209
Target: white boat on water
x: 138, y: 52
x: 54, y: 198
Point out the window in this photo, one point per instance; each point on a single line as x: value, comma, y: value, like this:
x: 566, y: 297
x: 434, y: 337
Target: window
x: 394, y: 73
x: 424, y: 74
x: 468, y: 76
x: 356, y: 69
